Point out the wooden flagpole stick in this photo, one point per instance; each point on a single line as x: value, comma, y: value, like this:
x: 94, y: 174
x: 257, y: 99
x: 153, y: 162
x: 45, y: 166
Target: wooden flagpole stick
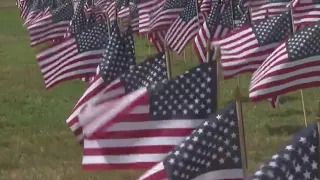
x: 293, y: 30
x: 217, y: 57
x: 168, y: 62
x: 244, y: 159
x: 184, y: 56
x: 233, y: 26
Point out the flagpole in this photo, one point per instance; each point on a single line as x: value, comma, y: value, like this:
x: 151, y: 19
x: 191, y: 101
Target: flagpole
x: 244, y: 159
x: 318, y: 127
x: 168, y: 62
x: 217, y: 57
x: 293, y: 30
x: 233, y: 26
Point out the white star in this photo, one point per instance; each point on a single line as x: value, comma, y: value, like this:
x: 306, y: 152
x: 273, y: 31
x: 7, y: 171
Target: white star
x: 234, y: 147
x: 195, y: 139
x: 200, y: 131
x: 218, y: 117
x: 303, y: 140
x: 220, y: 149
x: 258, y: 173
x: 298, y: 168
x: 289, y: 147
x: 306, y: 174
x: 273, y: 164
x: 236, y: 159
x: 305, y: 158
x: 312, y: 148
x: 221, y: 160
x: 314, y: 165
x: 176, y: 153
x: 171, y: 161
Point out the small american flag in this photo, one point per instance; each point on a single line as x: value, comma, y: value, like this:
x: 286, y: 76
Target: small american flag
x: 157, y: 38
x: 244, y: 20
x: 52, y: 26
x: 117, y: 59
x: 75, y: 57
x: 294, y: 65
x: 158, y: 119
x: 167, y: 14
x: 298, y: 160
x: 78, y: 21
x: 205, y: 7
x: 131, y: 11
x: 35, y: 9
x: 185, y: 27
x: 271, y: 8
x: 246, y: 48
x: 306, y: 12
x: 211, y: 151
x: 217, y: 24
x: 147, y: 9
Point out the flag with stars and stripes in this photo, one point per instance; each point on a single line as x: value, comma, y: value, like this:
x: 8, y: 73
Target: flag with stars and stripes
x: 271, y: 8
x: 205, y: 7
x: 152, y: 120
x: 130, y: 11
x: 185, y: 27
x: 305, y: 12
x: 117, y: 59
x: 147, y: 10
x: 52, y: 26
x: 151, y: 71
x: 78, y: 21
x: 163, y: 17
x: 35, y: 9
x: 244, y: 20
x: 217, y: 24
x: 211, y: 151
x: 298, y: 160
x: 74, y: 57
x: 244, y: 49
x: 294, y: 65
x: 157, y: 38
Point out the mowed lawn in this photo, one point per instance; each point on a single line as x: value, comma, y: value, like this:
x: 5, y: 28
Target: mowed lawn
x: 36, y: 143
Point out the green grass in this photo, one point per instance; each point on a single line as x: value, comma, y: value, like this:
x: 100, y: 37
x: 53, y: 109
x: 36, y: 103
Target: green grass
x: 36, y: 143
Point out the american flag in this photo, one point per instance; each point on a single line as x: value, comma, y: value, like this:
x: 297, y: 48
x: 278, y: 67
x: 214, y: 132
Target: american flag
x: 144, y: 133
x: 185, y: 27
x: 167, y: 14
x: 217, y: 24
x: 211, y: 151
x: 52, y: 26
x: 245, y: 20
x: 117, y: 59
x: 271, y: 8
x: 146, y: 11
x: 157, y: 39
x: 246, y: 48
x: 294, y: 65
x: 306, y: 12
x: 35, y: 9
x: 78, y: 21
x: 75, y: 57
x: 298, y: 160
x: 131, y: 11
x: 205, y: 7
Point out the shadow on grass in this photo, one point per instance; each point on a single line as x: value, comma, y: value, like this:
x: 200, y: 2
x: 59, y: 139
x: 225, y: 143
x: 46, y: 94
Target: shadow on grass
x: 282, y: 100
x: 283, y: 130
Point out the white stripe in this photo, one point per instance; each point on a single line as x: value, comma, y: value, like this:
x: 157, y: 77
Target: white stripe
x: 221, y: 174
x: 123, y: 159
x: 153, y: 170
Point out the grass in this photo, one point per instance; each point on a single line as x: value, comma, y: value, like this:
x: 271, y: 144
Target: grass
x: 36, y: 144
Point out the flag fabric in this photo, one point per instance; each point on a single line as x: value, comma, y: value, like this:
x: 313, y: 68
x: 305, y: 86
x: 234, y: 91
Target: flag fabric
x: 157, y: 38
x: 152, y: 126
x: 271, y: 8
x: 130, y: 11
x: 78, y: 21
x: 35, y: 9
x: 205, y: 7
x: 244, y: 20
x: 51, y: 27
x: 185, y: 27
x: 211, y: 151
x: 167, y: 14
x: 75, y: 57
x: 305, y: 12
x: 294, y: 65
x: 147, y: 10
x: 244, y: 49
x: 298, y: 160
x: 117, y: 59
x: 217, y: 24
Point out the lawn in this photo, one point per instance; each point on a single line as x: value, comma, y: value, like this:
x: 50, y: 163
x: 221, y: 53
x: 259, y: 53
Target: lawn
x: 36, y: 143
